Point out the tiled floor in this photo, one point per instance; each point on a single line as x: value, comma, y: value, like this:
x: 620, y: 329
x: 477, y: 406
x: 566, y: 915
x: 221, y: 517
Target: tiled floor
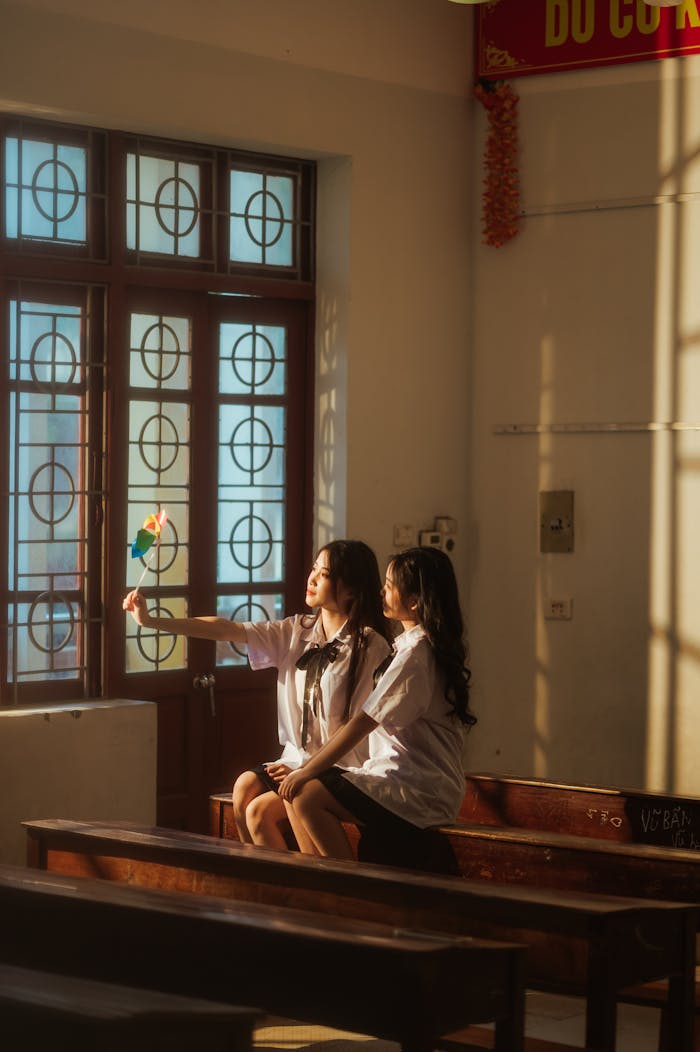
x: 548, y: 1017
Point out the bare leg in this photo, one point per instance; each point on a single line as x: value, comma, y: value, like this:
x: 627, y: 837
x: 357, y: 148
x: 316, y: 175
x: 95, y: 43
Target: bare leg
x: 263, y: 817
x: 246, y: 787
x: 306, y: 844
x: 322, y: 816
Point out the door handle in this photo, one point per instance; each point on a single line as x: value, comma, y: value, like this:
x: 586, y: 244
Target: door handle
x: 206, y: 681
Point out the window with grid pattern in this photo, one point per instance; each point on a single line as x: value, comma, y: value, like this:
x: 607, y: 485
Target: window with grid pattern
x: 153, y: 348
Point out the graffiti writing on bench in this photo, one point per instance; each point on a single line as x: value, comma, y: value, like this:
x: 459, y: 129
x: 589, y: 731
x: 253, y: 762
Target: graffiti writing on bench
x: 671, y: 825
x: 604, y: 817
x: 676, y: 822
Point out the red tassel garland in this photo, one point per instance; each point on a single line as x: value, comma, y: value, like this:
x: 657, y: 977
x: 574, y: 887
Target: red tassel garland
x: 501, y: 200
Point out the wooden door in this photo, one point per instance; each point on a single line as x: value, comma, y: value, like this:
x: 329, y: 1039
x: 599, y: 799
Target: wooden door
x: 209, y: 403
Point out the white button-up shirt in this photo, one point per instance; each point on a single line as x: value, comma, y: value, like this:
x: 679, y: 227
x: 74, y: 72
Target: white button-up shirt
x: 279, y: 644
x: 414, y: 767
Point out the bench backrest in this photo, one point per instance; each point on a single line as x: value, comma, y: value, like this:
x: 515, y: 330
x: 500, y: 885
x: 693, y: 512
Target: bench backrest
x: 625, y: 815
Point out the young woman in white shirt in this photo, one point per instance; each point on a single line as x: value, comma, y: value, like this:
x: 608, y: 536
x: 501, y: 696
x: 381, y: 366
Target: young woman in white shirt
x: 414, y: 721
x: 325, y: 663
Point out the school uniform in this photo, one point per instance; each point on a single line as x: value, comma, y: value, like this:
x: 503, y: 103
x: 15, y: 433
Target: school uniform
x: 414, y: 769
x: 311, y: 700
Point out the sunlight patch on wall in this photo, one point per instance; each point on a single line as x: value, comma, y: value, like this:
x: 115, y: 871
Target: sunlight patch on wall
x: 543, y: 582
x: 673, y: 735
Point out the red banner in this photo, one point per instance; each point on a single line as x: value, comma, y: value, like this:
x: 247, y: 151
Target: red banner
x: 519, y: 37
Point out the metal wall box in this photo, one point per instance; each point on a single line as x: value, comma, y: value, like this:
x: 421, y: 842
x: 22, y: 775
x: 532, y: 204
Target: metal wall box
x: 557, y: 520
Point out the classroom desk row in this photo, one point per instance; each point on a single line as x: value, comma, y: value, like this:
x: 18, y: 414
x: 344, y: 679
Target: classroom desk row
x: 591, y: 945
x: 369, y: 977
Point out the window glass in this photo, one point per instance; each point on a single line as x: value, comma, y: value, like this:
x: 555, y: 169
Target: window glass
x: 245, y: 608
x: 45, y: 190
x: 262, y: 219
x: 162, y: 206
x: 47, y: 410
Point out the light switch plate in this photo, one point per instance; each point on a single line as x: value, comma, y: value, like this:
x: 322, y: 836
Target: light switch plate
x: 557, y: 520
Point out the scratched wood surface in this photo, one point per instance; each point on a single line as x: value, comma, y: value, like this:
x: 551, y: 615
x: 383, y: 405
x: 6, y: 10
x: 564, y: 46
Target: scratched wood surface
x: 625, y: 815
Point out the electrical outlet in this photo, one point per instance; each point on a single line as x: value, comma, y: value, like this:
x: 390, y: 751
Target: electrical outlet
x: 445, y: 524
x: 558, y: 609
x: 404, y: 536
x: 430, y: 539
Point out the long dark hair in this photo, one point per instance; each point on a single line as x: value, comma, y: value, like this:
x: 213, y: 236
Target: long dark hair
x: 355, y: 565
x: 425, y: 576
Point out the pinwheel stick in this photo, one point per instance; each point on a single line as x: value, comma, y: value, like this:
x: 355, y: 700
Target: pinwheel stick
x: 148, y: 563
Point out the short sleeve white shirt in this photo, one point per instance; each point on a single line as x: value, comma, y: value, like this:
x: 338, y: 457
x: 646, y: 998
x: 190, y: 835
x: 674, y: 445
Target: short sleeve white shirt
x: 279, y: 644
x: 414, y: 768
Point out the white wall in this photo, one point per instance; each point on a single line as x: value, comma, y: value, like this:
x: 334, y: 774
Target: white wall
x: 85, y: 761
x: 591, y: 317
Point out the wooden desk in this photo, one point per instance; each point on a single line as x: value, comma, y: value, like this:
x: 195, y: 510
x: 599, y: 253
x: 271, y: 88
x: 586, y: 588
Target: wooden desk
x: 287, y: 962
x: 59, y: 1012
x: 583, y: 944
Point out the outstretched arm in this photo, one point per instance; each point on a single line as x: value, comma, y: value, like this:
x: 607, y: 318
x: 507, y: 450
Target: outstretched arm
x: 217, y: 628
x: 345, y: 738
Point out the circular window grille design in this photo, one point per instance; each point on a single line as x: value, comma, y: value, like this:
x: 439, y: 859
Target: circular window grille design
x: 248, y: 611
x: 270, y: 218
x: 49, y: 503
x: 249, y: 535
x: 161, y: 345
x: 181, y: 212
x: 251, y: 445
x: 162, y: 563
x: 253, y: 359
x: 161, y: 644
x: 53, y: 192
x: 51, y: 614
x: 159, y: 443
x: 53, y: 362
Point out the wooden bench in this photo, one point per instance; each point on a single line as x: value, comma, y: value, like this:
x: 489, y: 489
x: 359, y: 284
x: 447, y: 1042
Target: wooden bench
x: 625, y: 815
x: 549, y: 859
x: 546, y: 859
x: 588, y: 945
x: 287, y: 962
x: 39, y: 1009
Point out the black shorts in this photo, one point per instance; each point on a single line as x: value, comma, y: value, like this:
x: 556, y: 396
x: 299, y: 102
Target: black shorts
x: 385, y: 838
x: 363, y: 808
x: 261, y: 772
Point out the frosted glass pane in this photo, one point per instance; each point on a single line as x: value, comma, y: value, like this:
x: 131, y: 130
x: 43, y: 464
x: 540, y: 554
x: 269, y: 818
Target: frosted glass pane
x: 46, y: 190
x: 245, y: 608
x: 262, y: 214
x: 250, y: 546
x: 47, y: 490
x: 160, y: 352
x: 252, y: 359
x: 151, y: 651
x: 163, y: 206
x: 251, y: 446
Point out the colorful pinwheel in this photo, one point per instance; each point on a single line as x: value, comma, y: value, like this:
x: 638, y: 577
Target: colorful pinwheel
x: 148, y: 538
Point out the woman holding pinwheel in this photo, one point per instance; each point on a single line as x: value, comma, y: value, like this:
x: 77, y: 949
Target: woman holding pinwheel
x: 325, y: 665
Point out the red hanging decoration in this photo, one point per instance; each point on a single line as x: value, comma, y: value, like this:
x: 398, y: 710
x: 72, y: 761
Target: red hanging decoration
x: 501, y: 200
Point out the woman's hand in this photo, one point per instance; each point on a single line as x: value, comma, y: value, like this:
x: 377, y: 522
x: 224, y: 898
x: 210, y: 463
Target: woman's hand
x: 278, y: 771
x: 291, y: 785
x: 137, y: 607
